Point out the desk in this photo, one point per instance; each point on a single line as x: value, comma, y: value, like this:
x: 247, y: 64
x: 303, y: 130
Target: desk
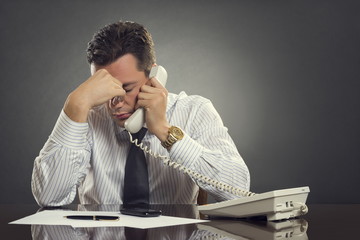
x: 324, y: 221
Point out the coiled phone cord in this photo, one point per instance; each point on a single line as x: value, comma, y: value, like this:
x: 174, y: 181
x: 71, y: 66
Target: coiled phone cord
x: 195, y: 175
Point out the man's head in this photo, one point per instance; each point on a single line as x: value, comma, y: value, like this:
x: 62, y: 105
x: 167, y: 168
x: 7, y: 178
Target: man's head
x: 120, y: 38
x: 126, y: 51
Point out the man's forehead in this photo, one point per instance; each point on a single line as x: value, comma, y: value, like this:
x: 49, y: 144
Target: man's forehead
x: 125, y: 63
x: 127, y: 76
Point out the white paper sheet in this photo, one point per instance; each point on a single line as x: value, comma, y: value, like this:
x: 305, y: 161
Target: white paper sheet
x: 56, y: 217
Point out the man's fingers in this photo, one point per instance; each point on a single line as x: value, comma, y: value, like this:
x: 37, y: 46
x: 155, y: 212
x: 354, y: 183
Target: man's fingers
x: 142, y: 104
x: 154, y: 90
x: 145, y: 96
x: 116, y: 81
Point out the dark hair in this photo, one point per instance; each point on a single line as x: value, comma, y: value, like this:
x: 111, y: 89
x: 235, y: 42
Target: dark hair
x: 120, y: 38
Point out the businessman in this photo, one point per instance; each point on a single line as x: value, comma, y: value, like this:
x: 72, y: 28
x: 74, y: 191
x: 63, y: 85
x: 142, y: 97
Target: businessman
x: 89, y: 151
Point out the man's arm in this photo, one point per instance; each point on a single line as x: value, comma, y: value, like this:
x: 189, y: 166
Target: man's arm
x: 62, y: 163
x: 208, y: 149
x: 64, y: 160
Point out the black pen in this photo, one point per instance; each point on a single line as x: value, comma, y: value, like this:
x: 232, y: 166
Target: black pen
x: 94, y: 218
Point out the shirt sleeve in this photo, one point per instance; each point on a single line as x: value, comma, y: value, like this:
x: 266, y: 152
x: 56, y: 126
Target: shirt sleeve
x: 62, y: 164
x: 208, y: 149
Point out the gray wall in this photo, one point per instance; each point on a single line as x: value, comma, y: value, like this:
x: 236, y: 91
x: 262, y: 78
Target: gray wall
x: 284, y: 75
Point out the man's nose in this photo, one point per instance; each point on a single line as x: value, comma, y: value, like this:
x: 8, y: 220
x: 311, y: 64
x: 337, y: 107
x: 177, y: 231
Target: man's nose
x: 117, y: 101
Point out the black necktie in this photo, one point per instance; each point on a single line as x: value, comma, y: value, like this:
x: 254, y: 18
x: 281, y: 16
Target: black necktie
x: 136, y: 180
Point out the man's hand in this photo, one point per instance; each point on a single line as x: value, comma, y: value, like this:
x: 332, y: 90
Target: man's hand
x: 96, y: 90
x: 153, y: 98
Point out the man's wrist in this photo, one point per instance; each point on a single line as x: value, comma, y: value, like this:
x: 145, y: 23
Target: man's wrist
x: 163, y: 132
x: 174, y: 134
x: 76, y: 109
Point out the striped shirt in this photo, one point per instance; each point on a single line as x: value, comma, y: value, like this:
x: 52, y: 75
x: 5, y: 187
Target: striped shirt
x: 91, y: 157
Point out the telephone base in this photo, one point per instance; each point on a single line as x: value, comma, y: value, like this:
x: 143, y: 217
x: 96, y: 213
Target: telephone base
x: 292, y: 229
x: 275, y: 205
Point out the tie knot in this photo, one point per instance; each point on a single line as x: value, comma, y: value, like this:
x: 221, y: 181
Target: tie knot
x: 139, y: 135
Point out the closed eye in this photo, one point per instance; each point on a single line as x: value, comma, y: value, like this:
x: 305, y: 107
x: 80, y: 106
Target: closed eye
x: 128, y: 87
x: 128, y: 90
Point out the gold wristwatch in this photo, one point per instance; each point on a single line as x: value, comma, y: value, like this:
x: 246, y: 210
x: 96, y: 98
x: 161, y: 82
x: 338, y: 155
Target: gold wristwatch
x: 175, y: 134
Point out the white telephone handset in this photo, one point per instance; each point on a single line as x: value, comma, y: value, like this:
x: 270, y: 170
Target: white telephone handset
x: 137, y: 120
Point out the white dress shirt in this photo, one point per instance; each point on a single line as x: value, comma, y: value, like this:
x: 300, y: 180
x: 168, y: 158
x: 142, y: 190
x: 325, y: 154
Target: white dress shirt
x: 91, y: 157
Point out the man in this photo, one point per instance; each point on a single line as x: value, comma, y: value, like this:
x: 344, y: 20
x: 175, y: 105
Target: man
x: 88, y: 147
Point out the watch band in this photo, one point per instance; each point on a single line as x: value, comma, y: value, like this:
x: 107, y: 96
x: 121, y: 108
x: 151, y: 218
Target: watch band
x: 175, y: 134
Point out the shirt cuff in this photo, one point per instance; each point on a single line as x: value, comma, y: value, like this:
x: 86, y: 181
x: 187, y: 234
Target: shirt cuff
x: 69, y: 133
x: 186, y: 151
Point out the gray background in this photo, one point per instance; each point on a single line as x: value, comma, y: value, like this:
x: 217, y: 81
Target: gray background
x: 284, y: 75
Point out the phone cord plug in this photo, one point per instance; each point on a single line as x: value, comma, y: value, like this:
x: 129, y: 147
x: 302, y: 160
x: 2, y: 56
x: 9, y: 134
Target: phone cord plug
x: 194, y: 175
x: 302, y: 206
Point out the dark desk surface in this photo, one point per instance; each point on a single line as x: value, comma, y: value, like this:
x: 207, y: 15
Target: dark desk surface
x: 324, y: 221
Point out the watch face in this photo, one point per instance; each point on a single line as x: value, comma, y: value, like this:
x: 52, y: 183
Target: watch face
x: 177, y: 132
